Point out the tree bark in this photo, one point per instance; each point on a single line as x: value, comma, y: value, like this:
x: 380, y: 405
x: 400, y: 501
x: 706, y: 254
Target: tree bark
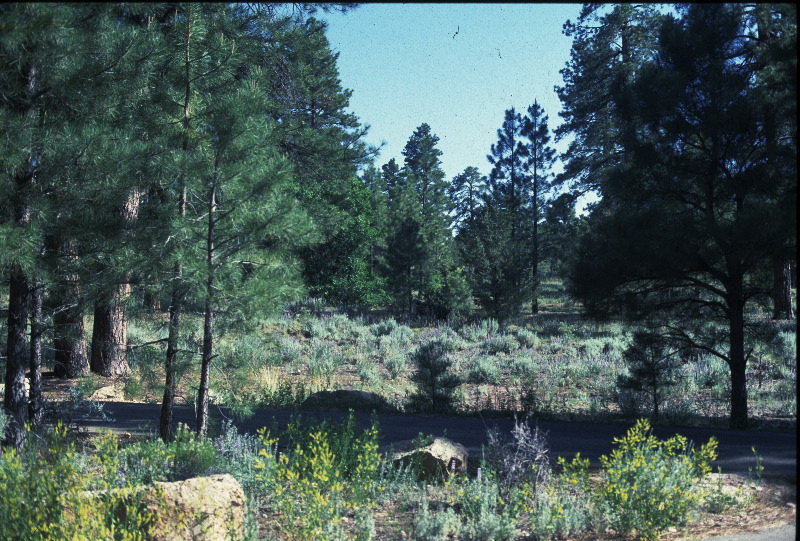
x: 71, y: 359
x: 110, y: 332
x: 208, y: 321
x: 110, y: 336
x: 166, y: 425
x: 16, y: 397
x: 738, y: 366
x: 176, y: 302
x: 36, y: 405
x: 782, y: 290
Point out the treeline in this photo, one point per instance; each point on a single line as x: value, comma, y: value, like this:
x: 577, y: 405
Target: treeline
x: 184, y: 158
x: 198, y: 159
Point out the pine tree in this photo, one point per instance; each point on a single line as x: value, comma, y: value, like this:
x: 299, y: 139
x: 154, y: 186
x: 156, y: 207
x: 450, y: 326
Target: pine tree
x: 689, y: 232
x: 419, y: 259
x: 538, y: 164
x: 325, y: 144
x: 467, y: 192
x: 609, y: 42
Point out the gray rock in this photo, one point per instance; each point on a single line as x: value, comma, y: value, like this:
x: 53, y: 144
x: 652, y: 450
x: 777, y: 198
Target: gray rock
x: 433, y: 457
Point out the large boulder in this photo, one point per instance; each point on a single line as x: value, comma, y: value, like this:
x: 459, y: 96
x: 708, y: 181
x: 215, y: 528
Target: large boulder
x: 433, y: 457
x: 208, y: 508
x: 347, y: 399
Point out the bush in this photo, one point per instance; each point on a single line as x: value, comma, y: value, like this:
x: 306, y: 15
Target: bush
x: 330, y: 470
x: 500, y: 343
x: 383, y: 328
x: 652, y: 367
x: 436, y: 384
x: 484, y: 371
x: 522, y: 457
x: 186, y: 456
x: 435, y: 526
x: 648, y: 485
x: 45, y: 493
x: 323, y: 361
x: 527, y: 339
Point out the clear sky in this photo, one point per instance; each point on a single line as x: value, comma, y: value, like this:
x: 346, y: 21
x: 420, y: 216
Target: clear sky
x: 456, y: 67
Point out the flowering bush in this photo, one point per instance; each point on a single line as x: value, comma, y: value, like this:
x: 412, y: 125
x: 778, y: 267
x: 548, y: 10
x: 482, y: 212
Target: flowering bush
x: 648, y: 485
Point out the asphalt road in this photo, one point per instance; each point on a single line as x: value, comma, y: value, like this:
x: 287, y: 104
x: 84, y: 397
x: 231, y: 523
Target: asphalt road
x: 777, y: 449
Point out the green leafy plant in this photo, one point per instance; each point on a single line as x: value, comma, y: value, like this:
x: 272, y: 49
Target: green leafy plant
x: 649, y: 485
x: 328, y: 470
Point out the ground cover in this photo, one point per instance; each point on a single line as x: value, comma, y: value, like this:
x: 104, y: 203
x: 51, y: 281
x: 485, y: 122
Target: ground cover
x: 553, y: 365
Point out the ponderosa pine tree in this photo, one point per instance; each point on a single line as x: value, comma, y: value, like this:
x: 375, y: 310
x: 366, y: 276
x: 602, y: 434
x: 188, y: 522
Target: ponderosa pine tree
x: 692, y: 220
x: 325, y: 144
x: 235, y: 222
x: 540, y: 158
x: 47, y: 61
x: 419, y: 260
x: 609, y: 43
x: 467, y: 192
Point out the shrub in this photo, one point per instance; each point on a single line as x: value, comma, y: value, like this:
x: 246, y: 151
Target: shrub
x: 323, y: 361
x: 484, y: 371
x: 395, y: 361
x: 527, y: 339
x: 519, y: 458
x: 383, y: 328
x: 500, y: 343
x: 330, y: 469
x: 368, y: 372
x: 487, y: 517
x: 186, y: 456
x: 45, y: 493
x: 648, y: 485
x: 481, y: 331
x: 435, y: 526
x: 436, y: 384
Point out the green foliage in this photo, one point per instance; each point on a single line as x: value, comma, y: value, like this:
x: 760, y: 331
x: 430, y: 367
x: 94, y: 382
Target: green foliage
x: 649, y: 485
x: 436, y: 384
x: 527, y: 338
x: 500, y: 343
x: 428, y: 526
x: 484, y: 370
x: 45, y: 493
x: 328, y: 471
x: 153, y: 460
x: 323, y: 361
x: 652, y: 367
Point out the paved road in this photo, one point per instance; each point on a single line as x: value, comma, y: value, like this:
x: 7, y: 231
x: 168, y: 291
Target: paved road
x: 778, y: 450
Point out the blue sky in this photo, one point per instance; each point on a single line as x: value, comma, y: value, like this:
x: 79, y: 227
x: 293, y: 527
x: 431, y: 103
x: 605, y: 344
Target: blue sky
x: 457, y: 67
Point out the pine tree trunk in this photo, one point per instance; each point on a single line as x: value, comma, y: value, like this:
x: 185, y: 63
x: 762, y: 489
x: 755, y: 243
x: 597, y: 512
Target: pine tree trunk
x: 71, y: 359
x: 110, y: 333
x: 16, y: 398
x: 535, y: 253
x: 176, y: 304
x: 166, y: 425
x: 782, y: 290
x: 205, y: 370
x: 208, y: 322
x: 36, y: 405
x: 738, y: 366
x: 110, y: 336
